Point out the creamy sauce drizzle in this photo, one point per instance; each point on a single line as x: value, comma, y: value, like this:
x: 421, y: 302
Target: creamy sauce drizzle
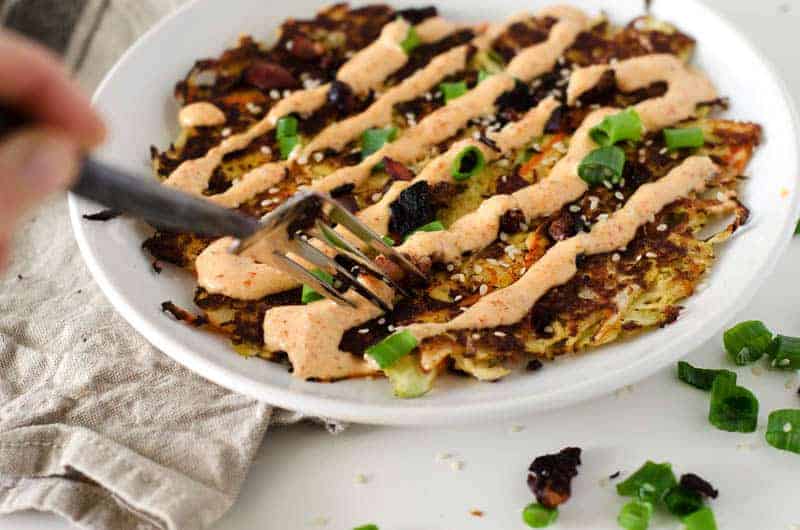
x: 508, y: 306
x: 310, y: 334
x: 201, y: 114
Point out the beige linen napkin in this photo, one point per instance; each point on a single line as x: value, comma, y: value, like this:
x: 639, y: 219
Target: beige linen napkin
x: 95, y: 424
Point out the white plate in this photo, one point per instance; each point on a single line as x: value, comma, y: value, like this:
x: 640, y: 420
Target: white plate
x: 135, y: 99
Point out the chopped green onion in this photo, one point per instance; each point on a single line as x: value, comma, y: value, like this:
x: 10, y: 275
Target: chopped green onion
x: 785, y: 352
x: 483, y: 75
x: 688, y: 137
x: 433, y: 226
x: 682, y: 501
x: 286, y: 127
x: 538, y: 516
x: 625, y: 125
x: 797, y: 228
x: 467, y: 163
x: 635, y: 515
x: 747, y: 341
x: 602, y: 164
x: 451, y: 91
x: 411, y: 41
x: 733, y: 408
x: 367, y: 527
x: 389, y: 350
x: 408, y: 378
x: 373, y: 139
x: 309, y: 294
x: 649, y: 483
x: 783, y: 430
x: 701, y: 378
x: 286, y: 145
x: 702, y: 519
x: 388, y: 240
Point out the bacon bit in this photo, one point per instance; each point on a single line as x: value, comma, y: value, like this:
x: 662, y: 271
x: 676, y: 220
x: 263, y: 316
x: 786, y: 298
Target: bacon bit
x: 476, y: 513
x: 305, y: 48
x: 396, y: 170
x: 551, y: 476
x: 268, y: 76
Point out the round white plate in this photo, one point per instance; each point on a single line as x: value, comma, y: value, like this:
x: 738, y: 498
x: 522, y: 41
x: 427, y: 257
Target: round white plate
x: 136, y: 100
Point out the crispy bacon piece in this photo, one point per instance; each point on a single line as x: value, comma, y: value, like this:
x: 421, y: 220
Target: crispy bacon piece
x: 550, y: 477
x: 266, y: 76
x: 396, y: 170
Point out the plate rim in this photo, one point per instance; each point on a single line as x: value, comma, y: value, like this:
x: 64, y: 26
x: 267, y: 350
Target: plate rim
x: 431, y: 414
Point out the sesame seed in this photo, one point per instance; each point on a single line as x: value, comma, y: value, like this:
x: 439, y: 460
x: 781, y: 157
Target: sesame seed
x: 662, y: 151
x: 476, y: 135
x: 593, y: 202
x: 619, y: 195
x: 456, y: 465
x: 602, y: 217
x: 615, y: 257
x: 376, y: 197
x: 638, y: 258
x: 492, y: 261
x: 286, y: 93
x: 390, y: 327
x: 458, y: 277
x: 787, y: 427
x: 478, y: 269
x: 457, y: 298
x: 574, y: 208
x: 428, y: 96
x: 607, y: 184
x: 651, y: 255
x: 363, y: 331
x: 302, y: 160
x: 721, y: 196
x: 548, y: 329
x: 476, y: 336
x: 662, y: 227
x: 443, y: 456
x: 523, y: 270
x: 450, y: 267
x: 463, y: 309
x: 289, y: 45
x: 381, y: 321
x: 273, y: 190
x: 318, y: 156
x: 483, y: 289
x: 524, y: 227
x: 265, y: 150
x: 784, y: 362
x: 504, y: 178
x: 274, y: 94
x: 226, y: 132
x: 499, y: 334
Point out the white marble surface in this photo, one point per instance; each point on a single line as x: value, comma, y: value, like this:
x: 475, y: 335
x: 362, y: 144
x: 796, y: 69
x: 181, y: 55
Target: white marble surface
x: 306, y: 478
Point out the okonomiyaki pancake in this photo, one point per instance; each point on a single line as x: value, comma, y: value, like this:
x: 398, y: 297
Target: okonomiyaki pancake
x: 466, y: 145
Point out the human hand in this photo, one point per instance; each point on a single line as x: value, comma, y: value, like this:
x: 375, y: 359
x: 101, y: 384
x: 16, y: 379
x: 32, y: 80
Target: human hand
x: 43, y: 158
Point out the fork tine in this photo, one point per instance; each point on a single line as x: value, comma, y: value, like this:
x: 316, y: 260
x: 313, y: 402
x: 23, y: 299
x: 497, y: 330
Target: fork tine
x: 340, y: 215
x: 318, y: 258
x: 336, y: 242
x: 319, y: 286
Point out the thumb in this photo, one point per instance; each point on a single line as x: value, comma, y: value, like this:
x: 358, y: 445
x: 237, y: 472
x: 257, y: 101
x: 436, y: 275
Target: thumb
x: 33, y: 164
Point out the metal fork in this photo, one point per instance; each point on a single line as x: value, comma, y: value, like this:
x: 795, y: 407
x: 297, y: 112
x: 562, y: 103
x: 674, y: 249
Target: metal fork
x: 289, y: 228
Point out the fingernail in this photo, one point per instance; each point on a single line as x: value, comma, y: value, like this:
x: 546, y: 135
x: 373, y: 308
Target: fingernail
x: 42, y: 162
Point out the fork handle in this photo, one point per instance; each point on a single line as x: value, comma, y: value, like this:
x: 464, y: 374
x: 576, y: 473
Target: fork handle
x: 163, y: 207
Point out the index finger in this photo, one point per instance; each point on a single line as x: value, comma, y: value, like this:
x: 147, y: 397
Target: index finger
x: 33, y: 80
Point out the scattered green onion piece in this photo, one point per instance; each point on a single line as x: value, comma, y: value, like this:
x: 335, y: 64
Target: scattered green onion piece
x: 701, y: 378
x: 392, y: 348
x: 367, y: 527
x: 411, y: 41
x: 483, y: 75
x: 309, y: 294
x: 286, y: 127
x: 604, y: 163
x: 388, y: 240
x: 433, y: 226
x: 797, y: 228
x: 747, y: 341
x: 702, y: 519
x: 635, y: 515
x: 538, y: 516
x: 688, y: 137
x: 783, y: 430
x: 682, y: 501
x: 408, y: 378
x: 733, y: 408
x: 625, y: 125
x: 451, y: 91
x: 286, y: 145
x: 649, y: 483
x: 373, y: 139
x: 785, y: 352
x: 467, y: 163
